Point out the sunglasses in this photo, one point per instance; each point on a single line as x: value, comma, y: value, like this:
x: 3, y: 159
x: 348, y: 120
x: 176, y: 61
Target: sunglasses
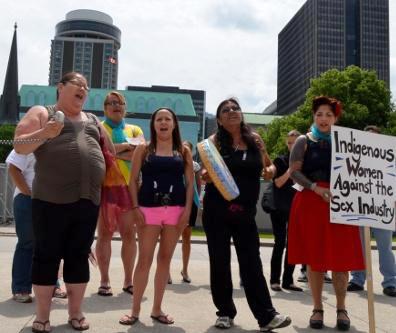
x: 115, y: 103
x: 228, y: 109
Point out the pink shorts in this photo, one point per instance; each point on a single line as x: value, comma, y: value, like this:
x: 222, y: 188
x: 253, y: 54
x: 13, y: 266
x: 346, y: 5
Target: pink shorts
x: 163, y: 215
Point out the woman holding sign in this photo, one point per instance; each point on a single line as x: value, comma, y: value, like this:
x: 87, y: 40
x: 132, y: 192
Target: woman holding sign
x: 312, y: 238
x: 244, y: 154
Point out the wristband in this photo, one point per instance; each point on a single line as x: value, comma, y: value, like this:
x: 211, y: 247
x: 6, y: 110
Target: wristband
x: 312, y: 186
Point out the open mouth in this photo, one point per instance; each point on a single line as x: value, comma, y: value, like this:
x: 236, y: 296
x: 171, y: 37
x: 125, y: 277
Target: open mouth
x: 80, y: 96
x: 163, y: 129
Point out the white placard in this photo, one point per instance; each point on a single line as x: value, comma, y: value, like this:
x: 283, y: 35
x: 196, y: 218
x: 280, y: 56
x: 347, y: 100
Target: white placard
x: 135, y: 141
x: 363, y: 178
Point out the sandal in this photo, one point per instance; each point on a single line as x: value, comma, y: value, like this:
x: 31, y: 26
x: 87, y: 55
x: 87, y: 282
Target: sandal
x: 82, y: 325
x: 316, y: 324
x: 343, y: 324
x: 105, y: 291
x: 163, y: 319
x: 128, y: 289
x: 43, y: 324
x: 59, y: 293
x: 186, y: 278
x: 128, y: 320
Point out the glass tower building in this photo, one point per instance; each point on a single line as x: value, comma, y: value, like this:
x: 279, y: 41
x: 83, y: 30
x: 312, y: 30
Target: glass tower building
x: 326, y: 34
x: 86, y: 42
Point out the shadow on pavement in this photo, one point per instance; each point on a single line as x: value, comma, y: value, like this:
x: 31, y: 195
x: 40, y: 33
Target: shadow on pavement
x: 93, y: 303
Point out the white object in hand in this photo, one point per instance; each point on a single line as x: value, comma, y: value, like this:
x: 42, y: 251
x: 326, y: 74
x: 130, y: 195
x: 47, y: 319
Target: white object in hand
x: 59, y: 117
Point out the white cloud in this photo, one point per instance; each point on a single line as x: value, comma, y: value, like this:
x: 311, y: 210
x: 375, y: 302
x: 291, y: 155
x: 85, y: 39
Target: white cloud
x: 225, y: 47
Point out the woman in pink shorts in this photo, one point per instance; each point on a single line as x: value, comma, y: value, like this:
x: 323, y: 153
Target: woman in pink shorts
x: 161, y: 206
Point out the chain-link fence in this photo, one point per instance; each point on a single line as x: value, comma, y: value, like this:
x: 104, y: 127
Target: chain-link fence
x: 6, y: 195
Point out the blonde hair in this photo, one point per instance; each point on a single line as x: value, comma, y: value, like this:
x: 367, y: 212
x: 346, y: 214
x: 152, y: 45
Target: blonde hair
x: 116, y: 94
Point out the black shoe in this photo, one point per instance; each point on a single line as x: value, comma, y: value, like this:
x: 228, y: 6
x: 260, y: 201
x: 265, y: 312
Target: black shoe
x: 354, y: 287
x: 390, y: 291
x: 276, y: 287
x: 343, y: 324
x: 291, y: 287
x: 316, y: 324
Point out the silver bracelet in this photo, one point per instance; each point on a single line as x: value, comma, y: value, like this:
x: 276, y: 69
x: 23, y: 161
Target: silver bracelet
x: 312, y: 186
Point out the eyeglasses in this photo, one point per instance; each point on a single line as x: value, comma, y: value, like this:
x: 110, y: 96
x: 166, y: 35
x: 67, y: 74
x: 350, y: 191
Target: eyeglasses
x: 228, y: 109
x: 79, y: 84
x: 115, y: 103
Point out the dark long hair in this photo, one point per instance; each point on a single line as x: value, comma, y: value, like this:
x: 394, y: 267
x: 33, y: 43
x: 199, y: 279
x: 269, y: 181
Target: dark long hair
x: 224, y: 138
x: 176, y: 139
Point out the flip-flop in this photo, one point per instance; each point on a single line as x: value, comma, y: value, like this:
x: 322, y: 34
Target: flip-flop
x: 80, y: 322
x: 163, y: 319
x: 42, y: 323
x: 128, y: 289
x: 105, y: 291
x: 186, y: 278
x: 130, y: 320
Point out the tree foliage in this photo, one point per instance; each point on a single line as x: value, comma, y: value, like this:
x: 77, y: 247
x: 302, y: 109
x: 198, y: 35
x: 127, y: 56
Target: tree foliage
x: 365, y: 99
x: 6, y: 133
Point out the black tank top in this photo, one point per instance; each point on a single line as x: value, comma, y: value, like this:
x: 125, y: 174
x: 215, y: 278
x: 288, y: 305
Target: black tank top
x: 162, y: 182
x: 317, y: 161
x: 245, y: 166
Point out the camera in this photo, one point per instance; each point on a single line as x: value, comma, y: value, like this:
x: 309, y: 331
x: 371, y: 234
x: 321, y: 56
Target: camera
x: 162, y: 199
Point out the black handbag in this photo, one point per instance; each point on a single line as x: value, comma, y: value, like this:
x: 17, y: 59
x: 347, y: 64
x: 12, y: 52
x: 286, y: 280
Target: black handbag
x: 267, y: 201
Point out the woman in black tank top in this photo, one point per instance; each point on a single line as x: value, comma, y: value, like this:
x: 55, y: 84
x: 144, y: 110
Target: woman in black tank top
x: 244, y: 154
x: 161, y: 206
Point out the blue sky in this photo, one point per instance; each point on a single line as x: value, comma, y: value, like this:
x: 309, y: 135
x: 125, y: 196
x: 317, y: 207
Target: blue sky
x: 226, y: 47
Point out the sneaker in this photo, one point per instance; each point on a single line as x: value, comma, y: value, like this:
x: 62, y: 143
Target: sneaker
x: 327, y: 278
x: 224, y: 322
x: 22, y: 298
x: 278, y: 321
x: 354, y: 287
x: 302, y: 277
x: 390, y: 291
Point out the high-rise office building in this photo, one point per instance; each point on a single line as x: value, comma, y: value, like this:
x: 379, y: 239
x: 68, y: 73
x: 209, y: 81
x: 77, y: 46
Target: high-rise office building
x: 197, y: 96
x: 326, y: 34
x: 86, y: 42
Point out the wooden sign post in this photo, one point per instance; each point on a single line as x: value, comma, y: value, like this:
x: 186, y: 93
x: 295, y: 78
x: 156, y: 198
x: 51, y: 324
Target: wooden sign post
x: 363, y: 187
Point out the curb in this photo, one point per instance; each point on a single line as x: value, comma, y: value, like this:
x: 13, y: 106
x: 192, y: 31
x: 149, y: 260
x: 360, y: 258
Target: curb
x: 193, y: 240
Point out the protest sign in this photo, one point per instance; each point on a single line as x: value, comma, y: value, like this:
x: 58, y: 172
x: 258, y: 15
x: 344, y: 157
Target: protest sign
x: 363, y: 178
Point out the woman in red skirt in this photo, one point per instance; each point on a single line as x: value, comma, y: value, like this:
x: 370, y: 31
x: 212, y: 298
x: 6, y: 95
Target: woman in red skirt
x: 312, y: 238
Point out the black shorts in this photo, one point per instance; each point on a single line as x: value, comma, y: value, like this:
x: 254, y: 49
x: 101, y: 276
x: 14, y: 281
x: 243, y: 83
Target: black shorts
x: 193, y: 215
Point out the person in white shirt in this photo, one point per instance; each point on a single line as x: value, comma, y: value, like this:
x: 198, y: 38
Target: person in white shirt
x: 21, y: 170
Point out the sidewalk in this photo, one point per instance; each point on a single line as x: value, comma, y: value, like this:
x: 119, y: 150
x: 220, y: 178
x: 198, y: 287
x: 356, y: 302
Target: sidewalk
x: 9, y: 230
x: 189, y: 304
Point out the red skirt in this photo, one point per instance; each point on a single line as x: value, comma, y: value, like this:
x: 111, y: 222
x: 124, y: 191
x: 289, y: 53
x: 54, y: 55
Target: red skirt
x: 314, y: 241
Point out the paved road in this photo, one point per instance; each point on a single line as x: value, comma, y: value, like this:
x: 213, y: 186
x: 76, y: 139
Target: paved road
x: 189, y: 304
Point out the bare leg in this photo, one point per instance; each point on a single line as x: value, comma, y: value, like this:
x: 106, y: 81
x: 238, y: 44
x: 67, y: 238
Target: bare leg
x: 186, y: 249
x: 43, y: 303
x: 340, y: 283
x: 148, y: 237
x: 169, y: 237
x: 315, y: 280
x: 128, y: 249
x: 103, y: 251
x: 75, y: 293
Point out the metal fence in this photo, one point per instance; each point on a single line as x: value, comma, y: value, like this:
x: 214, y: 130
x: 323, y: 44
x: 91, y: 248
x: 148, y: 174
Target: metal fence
x: 6, y: 195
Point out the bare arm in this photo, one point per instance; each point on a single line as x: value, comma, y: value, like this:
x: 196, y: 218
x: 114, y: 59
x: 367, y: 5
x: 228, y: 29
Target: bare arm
x: 198, y: 181
x: 137, y: 161
x: 189, y: 181
x: 107, y: 140
x: 19, y: 180
x: 280, y: 181
x: 35, y: 126
x: 269, y: 169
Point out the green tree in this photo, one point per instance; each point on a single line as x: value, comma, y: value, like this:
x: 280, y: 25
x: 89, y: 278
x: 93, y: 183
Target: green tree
x: 6, y: 133
x: 365, y: 99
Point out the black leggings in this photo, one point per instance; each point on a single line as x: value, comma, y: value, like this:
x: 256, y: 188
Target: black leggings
x: 221, y: 225
x: 62, y: 231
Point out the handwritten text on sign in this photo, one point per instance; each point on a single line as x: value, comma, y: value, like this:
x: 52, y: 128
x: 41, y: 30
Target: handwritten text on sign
x: 363, y: 178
